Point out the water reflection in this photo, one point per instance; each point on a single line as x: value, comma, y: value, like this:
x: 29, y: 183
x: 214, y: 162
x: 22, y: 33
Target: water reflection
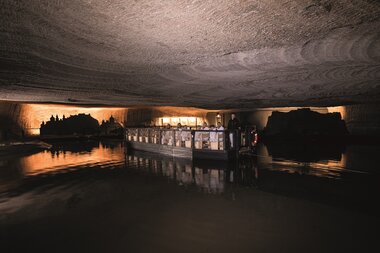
x: 246, y: 171
x: 327, y: 181
x: 305, y: 151
x: 321, y: 160
x: 71, y: 155
x: 279, y: 169
x: 62, y: 158
x: 213, y: 176
x: 207, y: 177
x: 146, y: 202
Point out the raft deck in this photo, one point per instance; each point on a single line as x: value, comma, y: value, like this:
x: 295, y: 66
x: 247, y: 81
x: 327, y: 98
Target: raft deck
x: 191, y: 144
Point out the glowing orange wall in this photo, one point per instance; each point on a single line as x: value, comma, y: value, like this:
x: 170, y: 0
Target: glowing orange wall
x: 32, y: 115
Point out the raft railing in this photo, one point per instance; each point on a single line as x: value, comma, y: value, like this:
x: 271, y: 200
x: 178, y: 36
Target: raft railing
x: 185, y: 138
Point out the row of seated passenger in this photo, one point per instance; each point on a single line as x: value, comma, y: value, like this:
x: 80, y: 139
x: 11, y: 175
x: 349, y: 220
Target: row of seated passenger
x: 205, y: 139
x: 202, y: 139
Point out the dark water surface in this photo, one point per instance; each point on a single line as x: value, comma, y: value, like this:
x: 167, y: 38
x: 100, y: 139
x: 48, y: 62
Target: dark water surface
x: 98, y: 197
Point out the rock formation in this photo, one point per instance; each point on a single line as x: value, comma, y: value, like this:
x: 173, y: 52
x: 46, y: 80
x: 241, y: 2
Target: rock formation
x: 81, y: 124
x: 304, y: 123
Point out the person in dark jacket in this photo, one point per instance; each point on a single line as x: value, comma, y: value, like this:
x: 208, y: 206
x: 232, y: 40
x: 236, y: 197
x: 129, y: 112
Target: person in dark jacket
x: 233, y: 127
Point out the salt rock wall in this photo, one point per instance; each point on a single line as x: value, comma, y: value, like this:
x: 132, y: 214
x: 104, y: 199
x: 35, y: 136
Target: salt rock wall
x: 148, y: 115
x: 259, y: 117
x: 11, y: 126
x: 18, y: 119
x: 363, y: 119
x: 208, y: 54
x: 360, y: 119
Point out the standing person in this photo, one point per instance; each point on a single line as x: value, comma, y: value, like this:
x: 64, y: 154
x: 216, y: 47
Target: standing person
x: 253, y: 137
x: 233, y: 127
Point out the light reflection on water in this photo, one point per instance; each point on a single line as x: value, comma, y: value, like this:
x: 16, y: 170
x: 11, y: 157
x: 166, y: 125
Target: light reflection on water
x: 212, y: 176
x: 321, y: 160
x: 183, y: 171
x: 208, y: 176
x: 316, y: 176
x: 273, y: 169
x: 174, y: 169
x: 324, y: 168
x: 64, y: 157
x: 94, y: 195
x: 56, y: 160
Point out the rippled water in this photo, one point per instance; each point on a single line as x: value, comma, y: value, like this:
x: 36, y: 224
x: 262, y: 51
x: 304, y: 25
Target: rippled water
x: 81, y: 191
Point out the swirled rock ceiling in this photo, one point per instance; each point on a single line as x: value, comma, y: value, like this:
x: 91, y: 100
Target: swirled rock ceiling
x: 203, y: 53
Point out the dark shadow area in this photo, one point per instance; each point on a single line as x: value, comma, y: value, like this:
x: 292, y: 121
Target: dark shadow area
x: 322, y: 181
x: 305, y: 151
x: 304, y: 124
x: 74, y: 146
x: 10, y: 173
x: 10, y: 130
x: 82, y: 124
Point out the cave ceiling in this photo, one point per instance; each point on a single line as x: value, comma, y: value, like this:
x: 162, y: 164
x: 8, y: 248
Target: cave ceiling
x: 201, y: 53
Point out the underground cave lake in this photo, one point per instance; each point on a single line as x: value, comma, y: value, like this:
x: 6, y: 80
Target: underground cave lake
x: 100, y: 196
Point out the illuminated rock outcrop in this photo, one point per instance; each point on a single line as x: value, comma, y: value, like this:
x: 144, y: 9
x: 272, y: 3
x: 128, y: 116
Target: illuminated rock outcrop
x: 305, y: 123
x: 18, y: 117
